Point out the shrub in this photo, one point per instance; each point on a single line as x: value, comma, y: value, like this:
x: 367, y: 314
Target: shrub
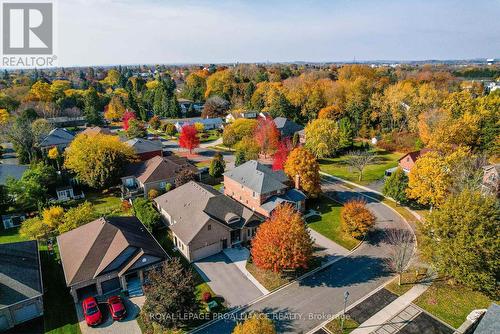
x: 170, y: 129
x: 153, y: 193
x: 126, y: 206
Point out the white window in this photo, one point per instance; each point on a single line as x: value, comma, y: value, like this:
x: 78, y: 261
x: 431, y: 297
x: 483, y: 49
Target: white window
x: 163, y: 184
x: 129, y: 182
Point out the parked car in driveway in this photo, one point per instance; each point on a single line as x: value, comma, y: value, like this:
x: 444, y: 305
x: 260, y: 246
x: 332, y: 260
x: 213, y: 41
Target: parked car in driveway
x: 116, y: 308
x: 93, y: 315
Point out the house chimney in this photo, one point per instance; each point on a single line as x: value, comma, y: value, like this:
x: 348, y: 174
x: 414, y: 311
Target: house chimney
x: 297, y: 181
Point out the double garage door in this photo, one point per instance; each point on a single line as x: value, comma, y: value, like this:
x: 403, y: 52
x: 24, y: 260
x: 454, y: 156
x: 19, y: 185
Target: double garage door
x: 206, y: 251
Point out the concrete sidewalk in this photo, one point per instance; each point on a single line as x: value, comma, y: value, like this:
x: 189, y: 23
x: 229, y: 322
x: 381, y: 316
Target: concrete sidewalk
x: 239, y: 257
x: 329, y: 247
x: 392, y: 310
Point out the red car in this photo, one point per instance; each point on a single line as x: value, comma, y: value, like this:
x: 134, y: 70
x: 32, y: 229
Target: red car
x: 116, y: 308
x: 93, y: 315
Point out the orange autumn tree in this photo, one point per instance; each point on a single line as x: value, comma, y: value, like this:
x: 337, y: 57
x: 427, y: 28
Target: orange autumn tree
x: 357, y: 220
x: 282, y: 242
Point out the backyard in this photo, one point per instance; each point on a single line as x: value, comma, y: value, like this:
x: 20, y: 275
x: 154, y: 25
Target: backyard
x: 374, y: 171
x: 329, y: 223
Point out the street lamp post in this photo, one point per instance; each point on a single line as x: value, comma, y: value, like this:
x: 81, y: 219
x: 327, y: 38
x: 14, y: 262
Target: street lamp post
x: 346, y: 295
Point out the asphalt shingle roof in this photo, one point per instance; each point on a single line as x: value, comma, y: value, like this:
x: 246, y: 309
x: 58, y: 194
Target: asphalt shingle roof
x: 58, y: 136
x: 258, y: 177
x: 14, y: 171
x: 20, y: 277
x: 286, y: 126
x: 141, y: 145
x: 158, y: 168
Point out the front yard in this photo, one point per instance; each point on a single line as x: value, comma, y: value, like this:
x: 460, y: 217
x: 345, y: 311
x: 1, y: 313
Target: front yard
x: 375, y: 171
x: 329, y: 223
x: 451, y: 303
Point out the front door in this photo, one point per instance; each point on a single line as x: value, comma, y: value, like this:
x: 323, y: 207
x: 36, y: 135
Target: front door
x: 224, y: 243
x: 235, y: 236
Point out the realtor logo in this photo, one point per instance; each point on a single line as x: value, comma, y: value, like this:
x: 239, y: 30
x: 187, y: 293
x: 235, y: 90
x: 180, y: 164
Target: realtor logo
x: 27, y: 28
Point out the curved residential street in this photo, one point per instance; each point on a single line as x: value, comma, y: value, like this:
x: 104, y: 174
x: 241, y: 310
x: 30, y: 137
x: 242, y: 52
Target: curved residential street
x: 309, y: 302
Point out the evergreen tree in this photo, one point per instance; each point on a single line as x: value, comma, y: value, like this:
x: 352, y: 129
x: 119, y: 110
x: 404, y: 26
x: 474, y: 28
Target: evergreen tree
x: 395, y: 186
x: 91, y: 108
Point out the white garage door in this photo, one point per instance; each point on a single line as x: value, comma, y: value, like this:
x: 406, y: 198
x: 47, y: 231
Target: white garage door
x: 206, y: 251
x: 25, y: 313
x: 4, y: 324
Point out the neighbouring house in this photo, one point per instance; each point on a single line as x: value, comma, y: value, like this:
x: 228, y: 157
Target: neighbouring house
x: 249, y: 114
x: 11, y: 171
x: 146, y: 149
x: 186, y: 104
x: 58, y: 137
x: 409, y: 159
x: 13, y: 220
x: 490, y: 321
x: 154, y: 173
x: 96, y: 130
x: 261, y: 189
x: 203, y: 221
x: 21, y: 287
x: 286, y: 127
x: 302, y: 137
x: 491, y: 180
x: 108, y: 255
x: 208, y: 123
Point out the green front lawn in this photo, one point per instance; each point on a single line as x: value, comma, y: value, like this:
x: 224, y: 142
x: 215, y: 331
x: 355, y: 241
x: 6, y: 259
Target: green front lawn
x: 328, y: 224
x: 451, y: 303
x: 335, y: 326
x: 107, y: 204
x: 10, y: 235
x: 208, y: 136
x: 373, y: 172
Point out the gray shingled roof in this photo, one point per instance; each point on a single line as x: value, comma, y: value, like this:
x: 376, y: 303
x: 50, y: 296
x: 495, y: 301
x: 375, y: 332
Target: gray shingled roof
x: 20, y: 277
x: 58, y: 136
x: 286, y: 126
x: 193, y: 205
x: 490, y: 323
x: 141, y: 145
x: 258, y: 177
x: 88, y: 250
x: 158, y: 168
x: 14, y: 171
x: 293, y: 195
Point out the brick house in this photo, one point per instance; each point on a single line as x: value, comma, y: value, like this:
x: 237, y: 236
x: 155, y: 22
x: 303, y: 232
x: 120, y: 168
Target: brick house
x: 261, y: 189
x: 203, y: 221
x: 409, y: 159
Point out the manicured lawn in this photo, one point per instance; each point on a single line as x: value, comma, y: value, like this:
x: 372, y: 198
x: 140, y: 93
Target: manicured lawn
x: 334, y: 326
x: 328, y: 224
x: 59, y: 310
x: 408, y: 280
x: 373, y: 172
x: 450, y: 303
x: 209, y: 136
x: 200, y: 164
x: 109, y: 204
x: 10, y: 235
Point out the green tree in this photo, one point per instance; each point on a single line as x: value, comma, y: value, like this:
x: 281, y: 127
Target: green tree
x: 91, y: 108
x: 136, y: 129
x: 461, y: 239
x: 77, y: 216
x: 171, y: 292
x: 346, y: 135
x: 395, y: 186
x: 322, y: 137
x: 143, y: 209
x: 217, y: 166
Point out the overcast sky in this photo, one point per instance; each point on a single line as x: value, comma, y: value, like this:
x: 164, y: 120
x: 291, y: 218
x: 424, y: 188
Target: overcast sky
x: 100, y: 32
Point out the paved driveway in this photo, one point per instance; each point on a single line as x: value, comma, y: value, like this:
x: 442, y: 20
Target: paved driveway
x: 225, y: 279
x: 128, y: 325
x: 309, y: 302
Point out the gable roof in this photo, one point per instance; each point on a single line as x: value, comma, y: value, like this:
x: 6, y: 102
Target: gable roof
x: 14, y: 171
x: 88, y: 250
x: 490, y: 322
x: 286, y: 126
x: 415, y: 154
x: 20, y: 277
x: 58, y: 136
x: 96, y: 130
x: 158, y: 168
x: 193, y: 205
x: 258, y: 177
x: 141, y: 145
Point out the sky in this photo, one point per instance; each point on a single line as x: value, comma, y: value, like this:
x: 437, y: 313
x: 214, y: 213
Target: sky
x: 107, y: 32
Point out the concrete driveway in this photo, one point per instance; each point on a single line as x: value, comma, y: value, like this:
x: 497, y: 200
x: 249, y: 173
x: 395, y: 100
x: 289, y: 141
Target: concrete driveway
x: 227, y: 280
x: 108, y: 326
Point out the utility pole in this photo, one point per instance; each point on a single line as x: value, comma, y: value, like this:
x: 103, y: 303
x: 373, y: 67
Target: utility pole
x: 346, y: 295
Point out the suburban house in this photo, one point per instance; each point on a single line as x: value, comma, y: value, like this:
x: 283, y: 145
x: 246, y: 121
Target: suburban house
x: 249, y: 114
x: 58, y: 137
x: 13, y: 220
x: 108, y: 255
x: 286, y: 127
x: 186, y: 104
x: 491, y: 179
x: 409, y: 159
x: 489, y: 322
x: 146, y: 149
x: 208, y: 123
x: 154, y: 173
x: 203, y: 221
x: 11, y: 171
x: 67, y: 193
x: 261, y: 189
x: 96, y: 130
x: 21, y: 288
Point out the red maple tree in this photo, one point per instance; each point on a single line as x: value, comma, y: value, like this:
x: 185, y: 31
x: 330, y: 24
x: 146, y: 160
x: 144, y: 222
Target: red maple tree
x: 127, y: 116
x: 282, y: 242
x: 279, y: 158
x: 188, y: 138
x: 267, y: 136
